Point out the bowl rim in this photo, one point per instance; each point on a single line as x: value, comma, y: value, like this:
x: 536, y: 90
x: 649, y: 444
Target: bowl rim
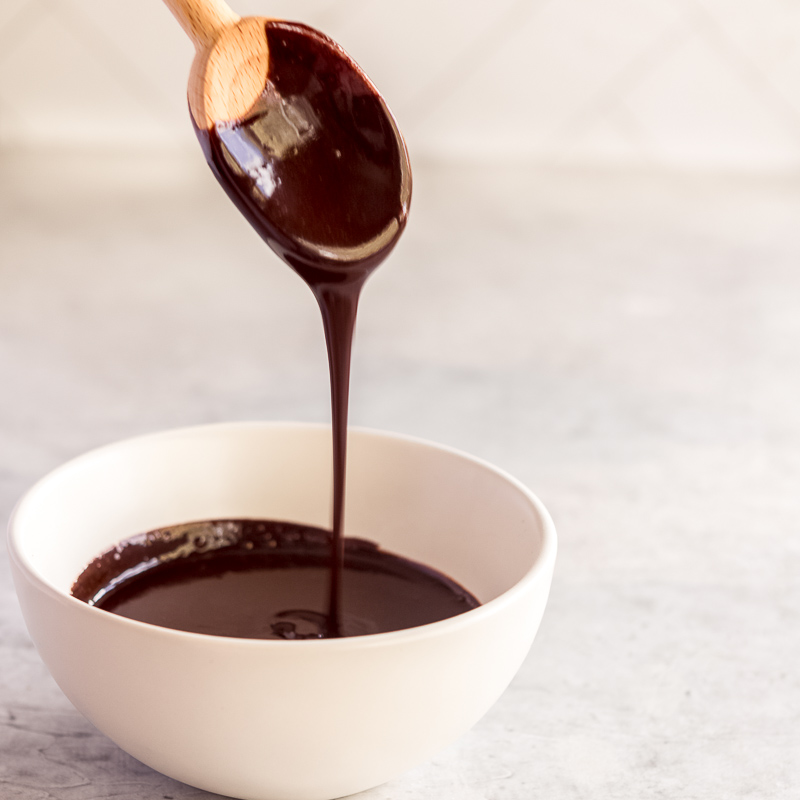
x: 541, y: 569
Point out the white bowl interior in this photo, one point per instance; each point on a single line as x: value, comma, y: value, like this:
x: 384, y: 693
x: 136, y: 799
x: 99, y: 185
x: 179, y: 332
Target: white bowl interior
x: 422, y: 501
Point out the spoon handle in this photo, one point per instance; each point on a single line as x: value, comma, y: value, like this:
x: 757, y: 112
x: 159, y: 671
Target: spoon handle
x: 202, y: 20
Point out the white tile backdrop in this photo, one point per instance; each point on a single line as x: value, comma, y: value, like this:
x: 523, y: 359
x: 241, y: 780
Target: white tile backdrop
x: 709, y: 83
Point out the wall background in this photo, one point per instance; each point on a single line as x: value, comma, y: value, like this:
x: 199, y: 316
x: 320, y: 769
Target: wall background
x: 689, y: 83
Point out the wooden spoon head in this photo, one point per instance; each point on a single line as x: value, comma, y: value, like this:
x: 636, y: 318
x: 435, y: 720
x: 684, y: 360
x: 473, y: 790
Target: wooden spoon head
x: 228, y: 77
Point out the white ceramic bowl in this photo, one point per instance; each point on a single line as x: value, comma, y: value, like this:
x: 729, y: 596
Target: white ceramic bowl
x: 277, y: 720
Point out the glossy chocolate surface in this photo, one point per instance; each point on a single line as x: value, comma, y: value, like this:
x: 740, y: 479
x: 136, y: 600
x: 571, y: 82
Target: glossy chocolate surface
x: 262, y: 579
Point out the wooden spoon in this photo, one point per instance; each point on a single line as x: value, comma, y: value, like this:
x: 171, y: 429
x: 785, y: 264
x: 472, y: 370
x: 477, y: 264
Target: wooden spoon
x: 231, y: 60
x: 299, y: 137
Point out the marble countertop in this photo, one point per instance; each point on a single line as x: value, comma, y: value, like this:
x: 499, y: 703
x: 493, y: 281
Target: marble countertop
x: 627, y: 344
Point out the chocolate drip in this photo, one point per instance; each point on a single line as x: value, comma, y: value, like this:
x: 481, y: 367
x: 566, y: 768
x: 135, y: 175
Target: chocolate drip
x: 319, y: 169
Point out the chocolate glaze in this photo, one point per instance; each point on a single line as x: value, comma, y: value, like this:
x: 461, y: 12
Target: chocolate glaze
x: 318, y: 166
x: 319, y: 169
x: 262, y: 579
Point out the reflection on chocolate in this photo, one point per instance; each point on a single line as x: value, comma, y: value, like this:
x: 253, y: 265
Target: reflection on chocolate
x: 261, y: 579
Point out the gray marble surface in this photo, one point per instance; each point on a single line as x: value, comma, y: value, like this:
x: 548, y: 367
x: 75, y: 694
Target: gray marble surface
x: 627, y: 344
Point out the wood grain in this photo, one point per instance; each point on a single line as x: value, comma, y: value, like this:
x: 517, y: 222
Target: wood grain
x: 231, y: 63
x: 202, y: 20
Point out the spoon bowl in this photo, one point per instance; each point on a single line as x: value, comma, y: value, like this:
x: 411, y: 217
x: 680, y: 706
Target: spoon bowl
x: 299, y: 138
